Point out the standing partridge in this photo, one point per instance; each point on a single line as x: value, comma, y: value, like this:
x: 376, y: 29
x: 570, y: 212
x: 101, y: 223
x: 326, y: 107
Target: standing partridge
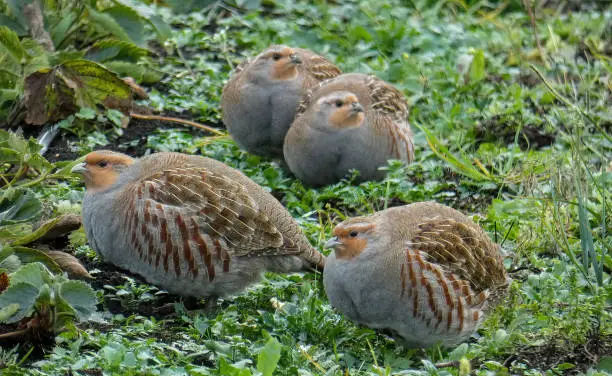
x: 424, y: 271
x: 353, y: 121
x: 260, y: 99
x: 188, y: 224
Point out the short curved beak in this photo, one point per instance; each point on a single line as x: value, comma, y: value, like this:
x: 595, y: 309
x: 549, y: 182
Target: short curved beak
x: 356, y: 107
x: 295, y: 59
x: 333, y: 243
x: 79, y: 168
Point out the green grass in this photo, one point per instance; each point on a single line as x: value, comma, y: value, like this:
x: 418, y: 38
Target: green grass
x: 516, y: 135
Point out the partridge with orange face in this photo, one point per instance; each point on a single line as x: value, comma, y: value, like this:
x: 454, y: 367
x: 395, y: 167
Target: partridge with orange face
x: 353, y: 121
x: 188, y: 224
x: 424, y: 271
x: 260, y: 99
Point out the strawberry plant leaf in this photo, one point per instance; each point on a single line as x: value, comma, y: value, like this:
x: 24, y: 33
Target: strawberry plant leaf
x: 18, y: 205
x: 22, y: 294
x: 80, y: 296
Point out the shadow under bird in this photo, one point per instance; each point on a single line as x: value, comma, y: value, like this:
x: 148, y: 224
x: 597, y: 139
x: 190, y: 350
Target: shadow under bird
x: 188, y: 224
x: 353, y: 121
x: 259, y: 100
x: 423, y: 271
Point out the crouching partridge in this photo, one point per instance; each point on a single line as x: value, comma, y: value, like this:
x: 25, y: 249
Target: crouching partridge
x: 353, y: 121
x: 424, y: 271
x: 188, y: 224
x: 260, y: 99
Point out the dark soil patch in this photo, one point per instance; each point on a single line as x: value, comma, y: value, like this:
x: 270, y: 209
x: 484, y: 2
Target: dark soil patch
x: 40, y: 341
x: 133, y: 141
x: 500, y: 130
x: 555, y: 353
x: 161, y: 306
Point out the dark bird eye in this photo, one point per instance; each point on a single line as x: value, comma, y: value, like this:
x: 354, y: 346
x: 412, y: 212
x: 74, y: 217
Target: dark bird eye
x: 339, y: 103
x: 102, y: 164
x: 353, y: 234
x: 276, y: 56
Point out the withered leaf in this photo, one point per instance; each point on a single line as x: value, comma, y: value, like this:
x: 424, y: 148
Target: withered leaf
x: 4, y: 281
x: 69, y: 264
x: 54, y: 94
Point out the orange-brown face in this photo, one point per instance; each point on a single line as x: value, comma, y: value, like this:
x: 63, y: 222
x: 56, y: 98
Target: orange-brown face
x: 101, y: 168
x: 284, y: 62
x: 350, y: 239
x: 347, y: 111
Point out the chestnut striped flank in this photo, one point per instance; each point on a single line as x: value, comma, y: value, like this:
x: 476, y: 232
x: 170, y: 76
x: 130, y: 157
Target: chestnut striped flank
x: 460, y: 314
x: 425, y: 281
x: 180, y: 222
x: 450, y: 303
x: 413, y: 284
x: 204, y: 253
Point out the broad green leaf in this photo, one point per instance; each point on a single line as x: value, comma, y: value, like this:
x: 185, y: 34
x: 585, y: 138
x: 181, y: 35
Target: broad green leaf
x: 130, y: 21
x: 60, y: 30
x: 605, y: 364
x: 8, y: 311
x: 109, y: 49
x: 185, y: 6
x: 9, y: 155
x: 150, y: 15
x: 10, y: 41
x: 477, y: 68
x: 268, y: 358
x: 15, y: 8
x: 18, y: 205
x: 29, y: 255
x: 39, y: 58
x: 227, y: 369
x: 96, y: 85
x: 8, y: 95
x: 107, y: 23
x: 80, y: 296
x: 138, y: 72
x: 162, y: 28
x: 360, y: 32
x: 36, y: 234
x: 33, y: 273
x: 13, y: 24
x: 86, y: 113
x: 249, y: 4
x: 565, y: 366
x: 10, y: 263
x: 23, y: 294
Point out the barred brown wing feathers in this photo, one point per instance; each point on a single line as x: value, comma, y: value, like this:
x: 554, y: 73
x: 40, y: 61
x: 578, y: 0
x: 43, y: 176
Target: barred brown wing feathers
x: 242, y: 66
x: 438, y: 298
x: 185, y: 218
x: 320, y: 68
x: 463, y: 250
x: 387, y: 99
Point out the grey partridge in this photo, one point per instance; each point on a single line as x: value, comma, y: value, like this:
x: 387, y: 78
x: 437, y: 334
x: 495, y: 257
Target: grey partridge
x: 189, y: 224
x: 353, y: 121
x: 261, y: 96
x: 424, y: 271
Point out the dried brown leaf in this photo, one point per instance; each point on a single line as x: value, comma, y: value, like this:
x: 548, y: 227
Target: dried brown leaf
x: 69, y: 264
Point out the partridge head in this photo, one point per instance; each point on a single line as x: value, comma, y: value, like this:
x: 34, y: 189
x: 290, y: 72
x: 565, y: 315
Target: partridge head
x: 259, y: 100
x: 188, y: 224
x: 353, y: 121
x: 423, y: 271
